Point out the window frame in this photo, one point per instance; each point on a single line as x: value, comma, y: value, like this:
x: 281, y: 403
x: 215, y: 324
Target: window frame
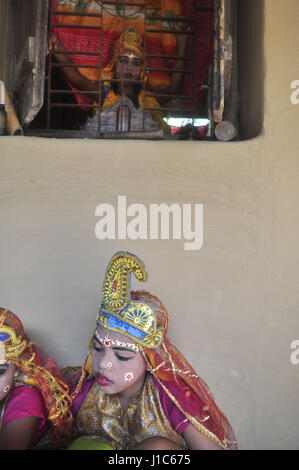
x: 222, y: 96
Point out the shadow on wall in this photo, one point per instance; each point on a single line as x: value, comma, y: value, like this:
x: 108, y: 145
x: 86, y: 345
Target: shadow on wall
x: 251, y: 67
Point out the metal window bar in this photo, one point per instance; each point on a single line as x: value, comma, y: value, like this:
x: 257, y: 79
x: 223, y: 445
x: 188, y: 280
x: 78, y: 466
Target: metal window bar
x: 147, y: 29
x: 49, y: 85
x: 147, y: 17
x: 101, y: 65
x: 145, y: 48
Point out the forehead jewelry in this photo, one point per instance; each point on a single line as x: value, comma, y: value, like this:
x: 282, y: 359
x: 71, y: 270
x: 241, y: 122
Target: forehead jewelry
x: 115, y: 342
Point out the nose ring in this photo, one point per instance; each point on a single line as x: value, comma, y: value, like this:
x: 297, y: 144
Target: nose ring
x: 109, y: 365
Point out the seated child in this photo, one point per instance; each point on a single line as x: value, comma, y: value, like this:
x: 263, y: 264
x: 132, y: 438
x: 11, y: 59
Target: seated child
x: 34, y: 401
x: 136, y: 390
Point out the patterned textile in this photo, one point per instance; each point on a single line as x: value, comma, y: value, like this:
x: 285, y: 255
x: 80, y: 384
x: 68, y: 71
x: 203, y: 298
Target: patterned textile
x: 168, y: 366
x: 108, y: 119
x: 101, y: 416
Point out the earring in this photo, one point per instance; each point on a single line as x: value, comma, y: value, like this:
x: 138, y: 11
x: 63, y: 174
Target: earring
x: 5, y: 390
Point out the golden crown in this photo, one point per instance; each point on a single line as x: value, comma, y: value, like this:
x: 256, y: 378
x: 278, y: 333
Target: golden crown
x: 135, y: 319
x: 129, y: 40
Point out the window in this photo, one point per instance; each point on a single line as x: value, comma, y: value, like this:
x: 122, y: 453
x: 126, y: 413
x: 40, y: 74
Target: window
x: 186, y: 87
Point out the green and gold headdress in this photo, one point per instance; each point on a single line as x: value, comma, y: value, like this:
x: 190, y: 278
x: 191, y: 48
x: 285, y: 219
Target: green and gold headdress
x: 118, y: 312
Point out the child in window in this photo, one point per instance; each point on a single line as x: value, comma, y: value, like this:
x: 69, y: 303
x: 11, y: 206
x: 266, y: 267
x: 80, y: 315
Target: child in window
x: 136, y: 390
x: 34, y: 401
x: 124, y: 80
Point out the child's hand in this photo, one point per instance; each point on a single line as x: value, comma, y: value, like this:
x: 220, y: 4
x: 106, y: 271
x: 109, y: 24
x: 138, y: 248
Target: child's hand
x: 54, y: 43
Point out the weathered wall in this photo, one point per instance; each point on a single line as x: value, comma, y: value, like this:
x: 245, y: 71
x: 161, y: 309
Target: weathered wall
x: 233, y: 304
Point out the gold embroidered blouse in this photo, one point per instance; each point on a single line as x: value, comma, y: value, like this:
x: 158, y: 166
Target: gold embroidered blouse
x: 101, y: 416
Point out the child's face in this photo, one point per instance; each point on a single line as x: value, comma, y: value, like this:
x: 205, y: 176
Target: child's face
x: 128, y: 66
x: 6, y: 378
x: 119, y: 369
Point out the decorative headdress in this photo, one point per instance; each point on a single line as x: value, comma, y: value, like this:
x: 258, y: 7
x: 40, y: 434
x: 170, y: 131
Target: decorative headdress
x: 11, y: 345
x: 129, y: 40
x: 118, y: 312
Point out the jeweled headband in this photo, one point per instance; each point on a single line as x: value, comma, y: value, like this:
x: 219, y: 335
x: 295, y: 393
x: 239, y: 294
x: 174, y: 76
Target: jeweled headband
x: 132, y: 318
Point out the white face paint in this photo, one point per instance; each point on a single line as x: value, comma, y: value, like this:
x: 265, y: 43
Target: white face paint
x: 129, y: 376
x: 118, y: 369
x: 6, y: 379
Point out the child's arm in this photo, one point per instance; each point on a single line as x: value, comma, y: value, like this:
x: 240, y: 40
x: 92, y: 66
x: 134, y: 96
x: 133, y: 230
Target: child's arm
x: 18, y: 433
x: 197, y: 441
x: 72, y: 73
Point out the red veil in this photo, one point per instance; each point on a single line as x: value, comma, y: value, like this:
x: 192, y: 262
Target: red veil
x: 195, y: 400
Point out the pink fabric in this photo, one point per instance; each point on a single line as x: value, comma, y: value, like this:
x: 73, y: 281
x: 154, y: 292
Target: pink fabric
x: 77, y: 402
x: 176, y: 418
x: 26, y: 401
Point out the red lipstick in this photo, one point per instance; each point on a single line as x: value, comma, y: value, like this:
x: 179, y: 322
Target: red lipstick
x: 103, y: 381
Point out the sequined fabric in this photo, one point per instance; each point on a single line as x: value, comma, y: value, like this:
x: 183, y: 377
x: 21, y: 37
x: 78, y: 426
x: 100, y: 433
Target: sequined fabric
x: 109, y: 119
x: 102, y: 416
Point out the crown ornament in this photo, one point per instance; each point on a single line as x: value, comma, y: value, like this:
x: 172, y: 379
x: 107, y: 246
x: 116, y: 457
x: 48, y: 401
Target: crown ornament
x: 131, y: 37
x: 135, y: 319
x: 129, y: 40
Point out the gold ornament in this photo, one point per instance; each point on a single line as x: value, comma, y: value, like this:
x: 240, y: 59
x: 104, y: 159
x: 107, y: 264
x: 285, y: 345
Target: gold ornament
x: 14, y: 345
x: 135, y: 319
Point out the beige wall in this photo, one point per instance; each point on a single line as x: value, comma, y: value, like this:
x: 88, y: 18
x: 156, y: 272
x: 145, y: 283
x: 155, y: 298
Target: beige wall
x: 233, y: 304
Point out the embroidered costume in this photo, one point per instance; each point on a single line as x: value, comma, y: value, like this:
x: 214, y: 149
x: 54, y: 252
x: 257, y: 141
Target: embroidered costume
x: 173, y: 395
x: 102, y: 415
x: 140, y: 117
x: 38, y: 387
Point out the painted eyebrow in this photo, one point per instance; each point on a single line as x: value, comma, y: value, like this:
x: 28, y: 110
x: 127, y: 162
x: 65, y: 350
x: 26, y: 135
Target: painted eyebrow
x: 118, y: 348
